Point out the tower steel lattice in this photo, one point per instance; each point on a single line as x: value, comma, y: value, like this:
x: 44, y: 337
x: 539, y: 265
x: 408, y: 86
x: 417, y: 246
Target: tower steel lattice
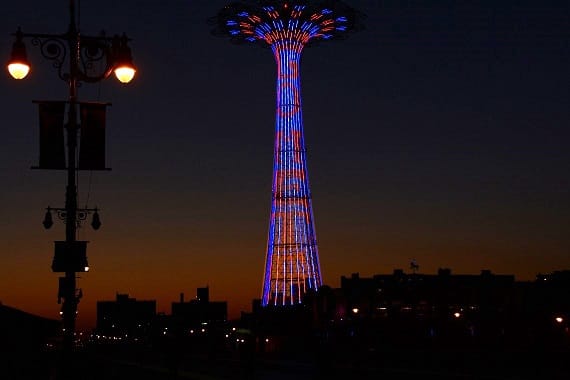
x: 292, y: 261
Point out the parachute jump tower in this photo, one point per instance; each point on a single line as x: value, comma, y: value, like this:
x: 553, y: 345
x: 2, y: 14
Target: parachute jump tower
x: 292, y: 259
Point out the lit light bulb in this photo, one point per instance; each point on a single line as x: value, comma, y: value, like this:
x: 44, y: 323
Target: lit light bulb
x: 18, y: 70
x: 125, y: 74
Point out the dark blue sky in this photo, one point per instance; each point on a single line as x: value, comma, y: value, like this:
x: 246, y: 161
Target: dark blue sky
x: 440, y: 133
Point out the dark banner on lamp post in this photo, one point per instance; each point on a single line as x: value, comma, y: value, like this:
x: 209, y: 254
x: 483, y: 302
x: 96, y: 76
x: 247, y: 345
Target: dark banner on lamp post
x: 92, y: 142
x: 52, y: 151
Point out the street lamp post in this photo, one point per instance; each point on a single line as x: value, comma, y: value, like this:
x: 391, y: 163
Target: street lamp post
x: 81, y: 52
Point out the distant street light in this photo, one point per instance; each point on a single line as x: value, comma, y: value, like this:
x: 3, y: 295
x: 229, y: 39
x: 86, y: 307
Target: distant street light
x: 81, y: 53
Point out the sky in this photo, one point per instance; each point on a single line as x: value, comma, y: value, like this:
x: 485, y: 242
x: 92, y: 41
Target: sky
x: 438, y: 133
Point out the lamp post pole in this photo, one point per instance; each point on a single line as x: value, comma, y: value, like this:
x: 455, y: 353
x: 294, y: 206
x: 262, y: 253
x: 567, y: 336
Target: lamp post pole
x: 70, y: 298
x: 81, y: 52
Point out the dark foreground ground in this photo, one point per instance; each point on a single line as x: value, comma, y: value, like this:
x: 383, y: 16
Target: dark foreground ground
x: 110, y: 363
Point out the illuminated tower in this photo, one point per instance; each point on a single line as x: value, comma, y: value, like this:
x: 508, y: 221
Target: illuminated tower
x: 292, y: 260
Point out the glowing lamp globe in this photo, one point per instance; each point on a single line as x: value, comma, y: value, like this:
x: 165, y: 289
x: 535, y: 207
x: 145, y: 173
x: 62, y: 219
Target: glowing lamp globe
x: 18, y: 70
x: 125, y: 73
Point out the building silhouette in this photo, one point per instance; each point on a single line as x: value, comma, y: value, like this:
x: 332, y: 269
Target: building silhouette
x: 424, y: 294
x: 25, y: 341
x: 292, y: 261
x: 444, y: 322
x: 199, y: 311
x: 22, y: 330
x: 125, y: 318
x: 422, y: 311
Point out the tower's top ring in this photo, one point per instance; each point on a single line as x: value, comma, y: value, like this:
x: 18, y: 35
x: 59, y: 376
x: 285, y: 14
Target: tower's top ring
x: 301, y: 21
